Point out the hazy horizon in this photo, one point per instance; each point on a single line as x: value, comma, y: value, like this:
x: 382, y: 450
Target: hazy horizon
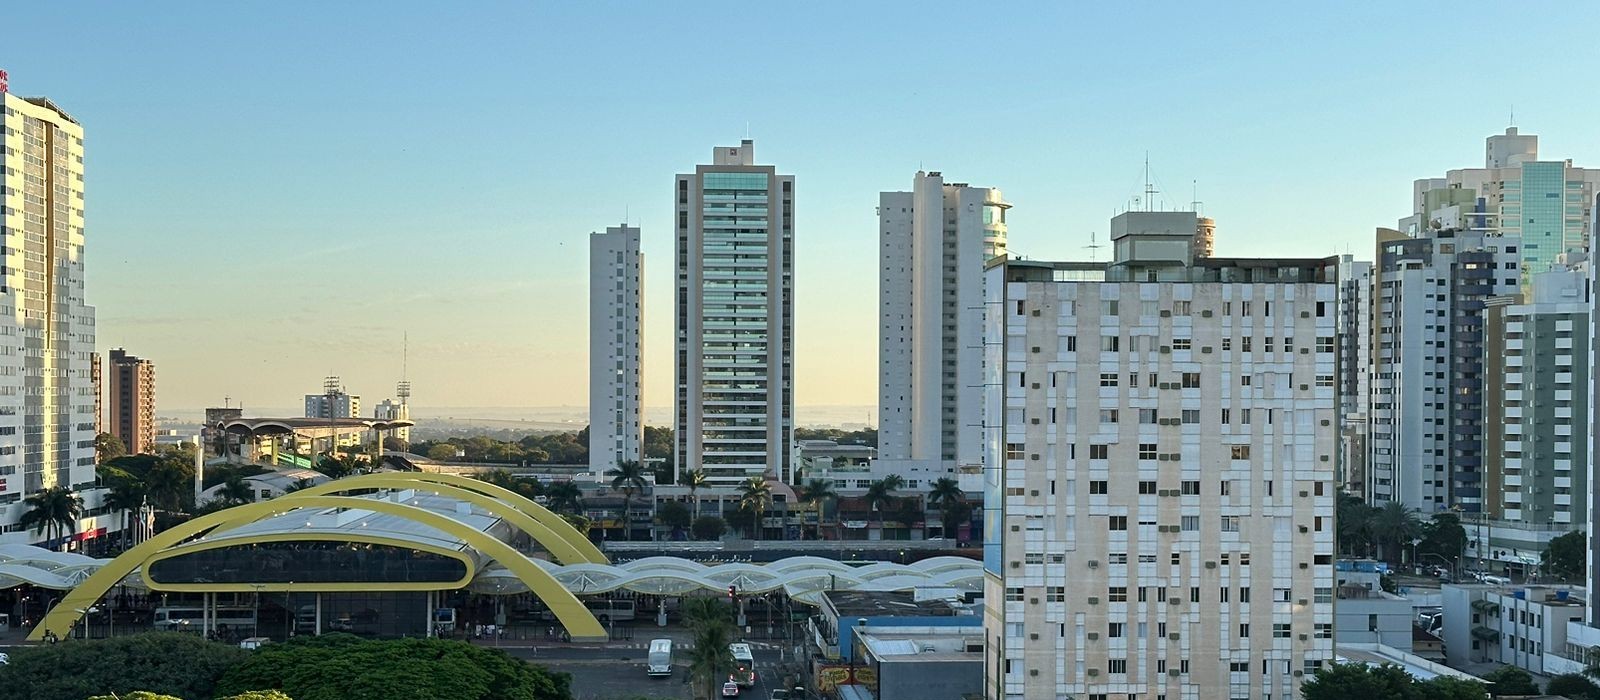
x: 273, y: 196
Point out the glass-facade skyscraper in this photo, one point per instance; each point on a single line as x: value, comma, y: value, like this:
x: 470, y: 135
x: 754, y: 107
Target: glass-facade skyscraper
x: 735, y: 318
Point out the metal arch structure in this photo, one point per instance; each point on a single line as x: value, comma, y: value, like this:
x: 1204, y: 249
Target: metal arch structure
x: 560, y: 544
x: 801, y: 578
x: 469, y: 565
x: 557, y: 524
x: 577, y: 619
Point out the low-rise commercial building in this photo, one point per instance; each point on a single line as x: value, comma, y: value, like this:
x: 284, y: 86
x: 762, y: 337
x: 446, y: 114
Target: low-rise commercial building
x: 1515, y: 625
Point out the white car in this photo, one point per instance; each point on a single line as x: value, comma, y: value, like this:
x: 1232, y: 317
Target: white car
x: 730, y: 689
x: 4, y: 658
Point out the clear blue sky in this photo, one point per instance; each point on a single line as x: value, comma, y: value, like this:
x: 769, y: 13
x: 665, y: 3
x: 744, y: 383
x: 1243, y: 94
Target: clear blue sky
x: 277, y: 190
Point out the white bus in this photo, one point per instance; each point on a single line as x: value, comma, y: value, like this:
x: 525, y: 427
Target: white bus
x: 607, y: 611
x: 193, y: 619
x: 659, y: 663
x: 745, y: 665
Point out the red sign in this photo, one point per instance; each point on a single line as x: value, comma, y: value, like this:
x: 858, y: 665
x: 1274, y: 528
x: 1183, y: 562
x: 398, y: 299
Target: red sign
x: 4, y: 82
x: 89, y: 534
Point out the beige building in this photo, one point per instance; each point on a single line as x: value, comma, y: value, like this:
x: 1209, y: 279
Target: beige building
x: 1161, y: 477
x: 132, y: 413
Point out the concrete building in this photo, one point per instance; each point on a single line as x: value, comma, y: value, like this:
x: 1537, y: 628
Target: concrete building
x: 934, y: 663
x: 1426, y: 430
x: 98, y: 380
x: 1592, y: 463
x: 1355, y: 372
x: 734, y: 413
x: 333, y: 402
x: 132, y: 415
x: 47, y: 403
x: 936, y: 240
x: 393, y: 409
x: 1161, y: 480
x: 1368, y: 615
x: 851, y: 468
x: 616, y: 322
x: 1547, y: 204
x: 1536, y: 402
x: 1515, y: 625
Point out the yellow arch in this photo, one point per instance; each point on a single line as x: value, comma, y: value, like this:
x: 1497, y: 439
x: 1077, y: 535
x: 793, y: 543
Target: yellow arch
x: 342, y: 537
x: 577, y: 619
x: 554, y: 521
x: 560, y: 547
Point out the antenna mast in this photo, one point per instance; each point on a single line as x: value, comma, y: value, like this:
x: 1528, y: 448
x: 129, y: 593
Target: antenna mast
x: 403, y: 389
x: 1094, y: 247
x: 1149, y: 189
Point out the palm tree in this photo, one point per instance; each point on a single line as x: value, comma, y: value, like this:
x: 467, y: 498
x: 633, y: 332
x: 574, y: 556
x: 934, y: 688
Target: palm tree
x: 710, y: 661
x: 943, y: 494
x: 340, y: 466
x: 814, y: 493
x: 236, y: 491
x: 627, y: 477
x: 125, y: 496
x: 1395, y: 525
x: 880, y: 494
x: 695, y: 479
x: 54, y: 509
x: 564, y: 496
x: 1354, y: 525
x: 299, y: 485
x: 755, y: 494
x: 701, y: 611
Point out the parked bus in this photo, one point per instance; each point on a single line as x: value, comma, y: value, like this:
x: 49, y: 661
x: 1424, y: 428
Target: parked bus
x: 659, y: 663
x: 745, y: 664
x: 186, y: 619
x: 611, y: 610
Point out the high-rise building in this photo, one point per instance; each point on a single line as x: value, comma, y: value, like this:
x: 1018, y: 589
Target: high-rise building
x: 391, y: 409
x: 936, y: 240
x: 1161, y: 479
x: 97, y: 379
x: 333, y: 402
x: 616, y: 313
x: 1547, y: 204
x: 1426, y: 446
x: 1355, y: 371
x: 1535, y: 402
x: 735, y: 331
x: 132, y: 388
x: 47, y: 427
x: 1592, y: 436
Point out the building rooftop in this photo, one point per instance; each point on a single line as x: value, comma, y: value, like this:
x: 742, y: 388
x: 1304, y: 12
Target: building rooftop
x: 1379, y: 654
x: 1223, y: 270
x: 885, y: 604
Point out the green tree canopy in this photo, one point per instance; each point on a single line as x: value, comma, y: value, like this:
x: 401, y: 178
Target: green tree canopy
x: 108, y: 447
x: 1566, y: 556
x: 1448, y: 688
x: 342, y: 666
x: 161, y: 663
x: 136, y: 695
x: 674, y: 515
x: 1510, y: 680
x: 1574, y: 686
x: 709, y: 527
x: 1356, y: 680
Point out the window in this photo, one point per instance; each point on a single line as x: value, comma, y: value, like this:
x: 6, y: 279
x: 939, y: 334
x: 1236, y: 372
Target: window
x: 1281, y: 631
x: 1244, y: 592
x: 1014, y: 450
x: 1072, y: 343
x: 1108, y: 415
x: 1324, y: 380
x: 1108, y: 307
x: 1191, y: 380
x: 1191, y: 415
x: 1226, y: 414
x: 1227, y: 344
x: 1191, y: 523
x: 1180, y: 308
x: 1191, y: 488
x: 1097, y: 487
x: 1108, y: 379
x: 1109, y: 343
x: 1244, y: 380
x: 1230, y: 523
x: 1116, y: 629
x: 1117, y: 558
x: 1033, y: 558
x: 1244, y: 416
x: 1244, y: 343
x: 1117, y: 594
x: 1117, y: 665
x: 1099, y: 452
x: 1222, y: 593
x: 1055, y: 594
x: 1194, y: 591
x: 1146, y: 488
x: 1324, y: 343
x: 1014, y: 594
x: 1147, y: 450
x: 1117, y: 522
x: 1241, y: 451
x: 1147, y: 416
x: 1180, y: 343
x: 1244, y: 629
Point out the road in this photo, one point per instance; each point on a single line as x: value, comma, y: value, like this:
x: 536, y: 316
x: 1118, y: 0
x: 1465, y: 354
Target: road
x: 617, y: 671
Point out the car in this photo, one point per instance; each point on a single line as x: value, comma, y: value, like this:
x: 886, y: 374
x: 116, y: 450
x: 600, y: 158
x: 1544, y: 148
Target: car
x: 780, y: 694
x: 730, y: 689
x: 4, y: 658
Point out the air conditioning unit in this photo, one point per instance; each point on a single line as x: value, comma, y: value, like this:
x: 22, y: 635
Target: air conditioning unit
x: 1302, y: 637
x: 1035, y: 636
x: 1094, y: 635
x: 1174, y: 601
x: 1094, y: 563
x: 1211, y: 565
x: 1094, y: 672
x: 1094, y: 600
x: 1173, y: 636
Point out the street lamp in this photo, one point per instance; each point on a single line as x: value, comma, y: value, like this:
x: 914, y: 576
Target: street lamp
x: 83, y: 614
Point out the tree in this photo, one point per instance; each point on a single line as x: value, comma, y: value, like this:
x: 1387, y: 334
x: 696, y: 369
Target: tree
x: 815, y: 493
x: 136, y: 695
x: 341, y: 465
x: 54, y: 510
x: 755, y: 495
x: 943, y: 494
x: 258, y: 695
x: 627, y: 477
x: 695, y: 479
x: 1342, y: 681
x: 710, y: 660
x: 1510, y: 680
x: 162, y: 663
x: 674, y: 515
x: 1394, y: 526
x: 236, y: 491
x: 126, y: 495
x: 952, y: 516
x: 1450, y: 688
x: 442, y: 452
x: 340, y: 666
x: 1574, y: 686
x: 1355, y: 525
x: 170, y: 481
x: 1566, y: 556
x: 299, y: 485
x: 880, y: 494
x: 564, y: 496
x: 108, y: 447
x: 1443, y: 536
x: 709, y: 527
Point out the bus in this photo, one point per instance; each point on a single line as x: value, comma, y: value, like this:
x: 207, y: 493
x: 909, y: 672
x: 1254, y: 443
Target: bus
x: 192, y: 619
x: 611, y: 610
x: 659, y: 663
x: 745, y: 663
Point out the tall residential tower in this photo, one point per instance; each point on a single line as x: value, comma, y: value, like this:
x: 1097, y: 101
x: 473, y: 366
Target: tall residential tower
x: 935, y: 242
x: 132, y: 401
x: 616, y: 306
x: 47, y: 398
x: 734, y: 414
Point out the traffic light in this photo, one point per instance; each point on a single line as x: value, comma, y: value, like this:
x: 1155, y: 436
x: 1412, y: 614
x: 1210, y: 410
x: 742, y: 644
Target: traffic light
x: 733, y: 593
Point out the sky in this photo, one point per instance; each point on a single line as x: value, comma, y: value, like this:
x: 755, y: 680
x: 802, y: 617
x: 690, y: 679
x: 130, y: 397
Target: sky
x: 278, y: 191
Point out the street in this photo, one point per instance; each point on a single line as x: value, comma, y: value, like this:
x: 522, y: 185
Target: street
x: 617, y: 671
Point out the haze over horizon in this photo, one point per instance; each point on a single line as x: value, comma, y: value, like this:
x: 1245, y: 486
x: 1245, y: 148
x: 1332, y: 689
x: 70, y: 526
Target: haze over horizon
x: 329, y: 180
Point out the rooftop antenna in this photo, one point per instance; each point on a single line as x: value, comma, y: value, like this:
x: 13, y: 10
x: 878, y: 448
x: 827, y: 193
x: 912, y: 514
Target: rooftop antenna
x: 1094, y: 247
x: 625, y: 214
x: 1194, y: 202
x: 1513, y: 114
x: 403, y: 389
x: 1149, y: 189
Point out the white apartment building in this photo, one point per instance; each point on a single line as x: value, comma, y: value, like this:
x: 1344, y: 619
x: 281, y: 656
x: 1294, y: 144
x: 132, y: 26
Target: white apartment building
x: 1523, y: 626
x: 734, y: 414
x: 390, y: 409
x: 47, y: 391
x: 935, y: 242
x: 1548, y: 204
x: 1161, y: 478
x: 1592, y: 464
x: 1426, y: 439
x: 616, y: 316
x: 333, y: 402
x: 1355, y: 372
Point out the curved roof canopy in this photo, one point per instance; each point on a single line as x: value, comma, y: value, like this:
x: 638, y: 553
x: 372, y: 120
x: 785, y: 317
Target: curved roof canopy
x: 310, y: 427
